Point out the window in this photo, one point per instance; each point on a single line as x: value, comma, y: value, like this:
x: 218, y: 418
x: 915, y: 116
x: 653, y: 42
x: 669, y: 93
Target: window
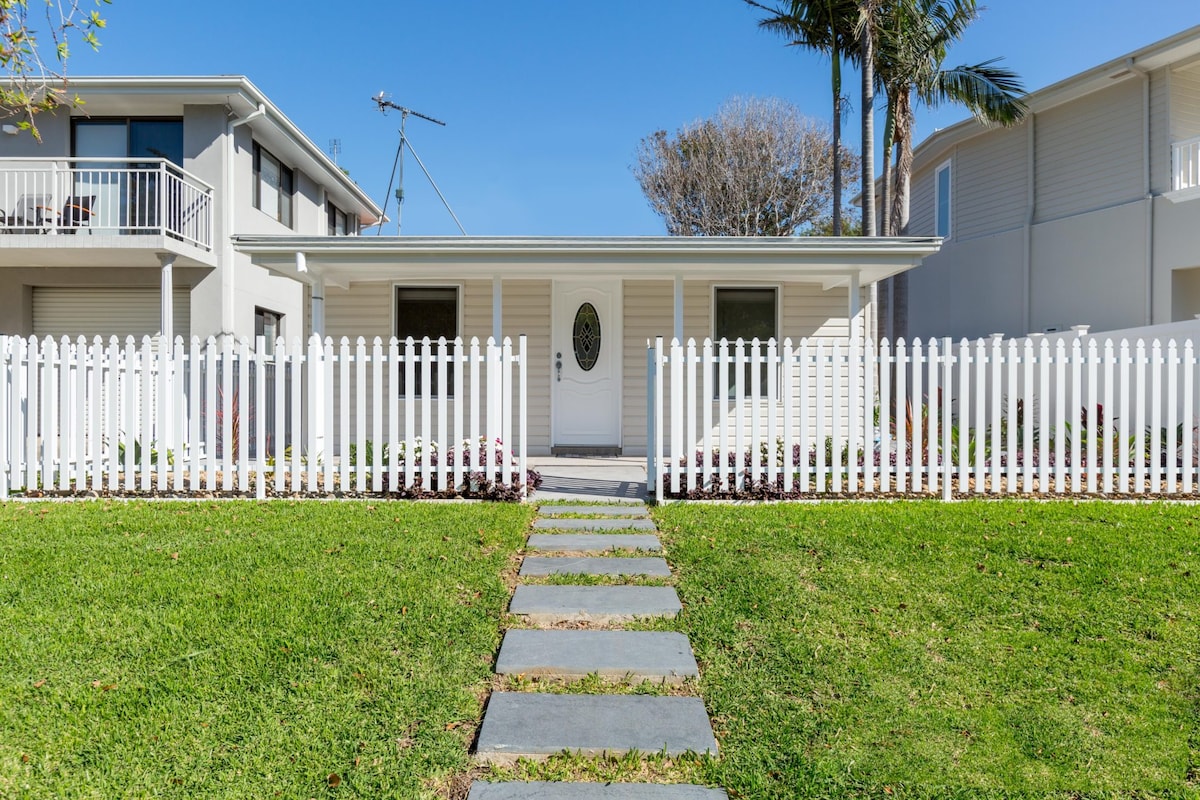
x: 941, y: 194
x: 426, y: 311
x: 268, y: 324
x: 274, y: 184
x: 341, y: 223
x: 745, y: 313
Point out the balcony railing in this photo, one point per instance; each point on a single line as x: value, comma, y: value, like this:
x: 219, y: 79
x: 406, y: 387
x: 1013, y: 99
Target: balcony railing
x: 113, y: 197
x: 1185, y: 163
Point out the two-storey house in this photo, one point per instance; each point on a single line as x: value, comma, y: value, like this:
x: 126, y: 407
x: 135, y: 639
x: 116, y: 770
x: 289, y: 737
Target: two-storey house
x: 119, y: 221
x: 1088, y: 213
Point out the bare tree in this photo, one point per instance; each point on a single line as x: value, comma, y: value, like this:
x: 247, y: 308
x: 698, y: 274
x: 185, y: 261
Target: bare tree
x: 757, y: 168
x: 33, y: 82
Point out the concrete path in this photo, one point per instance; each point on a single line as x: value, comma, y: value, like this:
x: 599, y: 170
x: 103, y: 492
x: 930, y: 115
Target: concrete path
x: 590, y: 480
x: 536, y: 725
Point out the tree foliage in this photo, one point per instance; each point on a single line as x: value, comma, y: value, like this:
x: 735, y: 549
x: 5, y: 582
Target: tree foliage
x: 34, y: 79
x: 758, y: 167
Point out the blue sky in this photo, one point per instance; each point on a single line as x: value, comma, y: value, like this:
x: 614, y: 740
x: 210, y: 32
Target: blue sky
x: 545, y: 102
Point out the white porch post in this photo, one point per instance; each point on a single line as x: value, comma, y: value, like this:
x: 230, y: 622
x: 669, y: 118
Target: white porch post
x: 166, y: 314
x: 678, y: 329
x: 854, y: 309
x: 497, y: 308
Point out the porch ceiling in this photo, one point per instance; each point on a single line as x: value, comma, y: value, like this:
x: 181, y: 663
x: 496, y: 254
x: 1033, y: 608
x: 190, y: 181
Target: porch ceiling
x: 830, y: 261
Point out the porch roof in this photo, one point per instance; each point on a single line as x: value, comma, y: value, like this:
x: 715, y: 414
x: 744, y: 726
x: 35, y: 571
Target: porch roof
x: 830, y: 261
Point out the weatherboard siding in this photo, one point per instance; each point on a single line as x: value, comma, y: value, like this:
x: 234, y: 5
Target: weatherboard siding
x: 990, y: 175
x: 1090, y: 152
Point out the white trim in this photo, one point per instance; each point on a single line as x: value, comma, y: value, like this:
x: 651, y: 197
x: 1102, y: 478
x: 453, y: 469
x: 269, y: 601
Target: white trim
x: 947, y: 166
x: 712, y: 304
x: 459, y: 286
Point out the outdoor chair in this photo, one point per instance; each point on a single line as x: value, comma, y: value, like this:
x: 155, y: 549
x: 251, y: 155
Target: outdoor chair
x: 76, y: 213
x: 32, y: 214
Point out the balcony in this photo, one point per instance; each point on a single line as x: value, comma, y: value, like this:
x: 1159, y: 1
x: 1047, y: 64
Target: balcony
x: 1185, y: 164
x: 113, y: 204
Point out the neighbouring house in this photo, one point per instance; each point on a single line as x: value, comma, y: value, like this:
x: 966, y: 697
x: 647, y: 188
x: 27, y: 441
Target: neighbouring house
x: 120, y: 221
x: 587, y: 307
x: 1088, y: 213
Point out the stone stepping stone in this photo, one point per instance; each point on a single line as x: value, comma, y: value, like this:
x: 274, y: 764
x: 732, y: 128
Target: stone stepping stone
x: 596, y: 511
x: 529, y: 725
x: 593, y: 565
x: 593, y: 542
x: 575, y: 524
x: 481, y: 790
x: 637, y: 655
x: 547, y: 605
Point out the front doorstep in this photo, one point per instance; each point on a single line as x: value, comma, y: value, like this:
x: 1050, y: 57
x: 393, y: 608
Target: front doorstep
x: 594, y: 451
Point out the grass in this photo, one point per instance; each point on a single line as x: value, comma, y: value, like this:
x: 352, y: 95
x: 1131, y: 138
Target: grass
x: 925, y: 650
x: 246, y: 650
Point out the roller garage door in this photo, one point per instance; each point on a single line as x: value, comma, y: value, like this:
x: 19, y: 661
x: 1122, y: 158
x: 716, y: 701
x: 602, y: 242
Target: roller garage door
x: 104, y: 312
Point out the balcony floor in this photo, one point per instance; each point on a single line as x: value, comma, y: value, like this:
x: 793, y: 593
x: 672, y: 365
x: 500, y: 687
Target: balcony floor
x: 97, y: 250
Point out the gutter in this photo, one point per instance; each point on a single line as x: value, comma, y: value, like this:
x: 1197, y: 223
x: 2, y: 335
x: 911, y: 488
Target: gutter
x: 1148, y: 193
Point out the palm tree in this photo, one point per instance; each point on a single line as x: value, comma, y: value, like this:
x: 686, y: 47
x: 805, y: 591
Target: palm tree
x: 869, y: 12
x: 826, y: 26
x: 912, y: 42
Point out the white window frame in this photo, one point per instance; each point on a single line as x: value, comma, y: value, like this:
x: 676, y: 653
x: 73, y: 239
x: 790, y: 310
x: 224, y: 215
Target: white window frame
x: 257, y: 154
x: 712, y: 319
x: 460, y: 290
x: 947, y: 167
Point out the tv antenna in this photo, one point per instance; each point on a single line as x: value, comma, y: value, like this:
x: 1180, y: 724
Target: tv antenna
x: 398, y: 164
x: 335, y: 149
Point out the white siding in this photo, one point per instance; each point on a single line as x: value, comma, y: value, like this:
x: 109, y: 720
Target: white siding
x: 649, y: 308
x: 1185, y: 103
x: 1160, y: 132
x: 527, y: 311
x: 1090, y: 152
x: 920, y: 212
x: 990, y: 175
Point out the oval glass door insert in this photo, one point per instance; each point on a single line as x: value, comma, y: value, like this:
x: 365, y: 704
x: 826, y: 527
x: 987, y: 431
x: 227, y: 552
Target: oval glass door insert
x: 586, y: 336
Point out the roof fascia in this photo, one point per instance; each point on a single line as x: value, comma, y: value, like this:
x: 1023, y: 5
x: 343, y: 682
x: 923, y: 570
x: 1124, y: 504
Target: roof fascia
x: 243, y: 88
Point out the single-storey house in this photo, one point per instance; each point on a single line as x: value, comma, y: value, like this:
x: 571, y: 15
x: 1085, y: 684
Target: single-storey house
x: 587, y: 305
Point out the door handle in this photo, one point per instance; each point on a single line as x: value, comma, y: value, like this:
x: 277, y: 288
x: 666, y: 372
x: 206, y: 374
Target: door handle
x: 558, y: 366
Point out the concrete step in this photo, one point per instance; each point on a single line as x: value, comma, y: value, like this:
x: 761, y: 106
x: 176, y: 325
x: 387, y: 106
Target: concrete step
x: 593, y: 565
x: 592, y: 542
x: 576, y: 524
x: 637, y: 655
x: 527, y: 725
x: 611, y: 510
x: 481, y: 790
x: 548, y: 605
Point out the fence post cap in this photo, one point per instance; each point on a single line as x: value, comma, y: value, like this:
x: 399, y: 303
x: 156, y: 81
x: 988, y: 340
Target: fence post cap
x: 997, y: 336
x: 1083, y: 329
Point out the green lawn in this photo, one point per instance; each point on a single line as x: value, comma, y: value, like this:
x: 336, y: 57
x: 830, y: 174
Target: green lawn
x: 911, y: 650
x: 924, y: 650
x: 246, y: 650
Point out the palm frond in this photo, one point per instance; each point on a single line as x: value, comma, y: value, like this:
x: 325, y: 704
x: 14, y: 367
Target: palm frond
x: 992, y: 94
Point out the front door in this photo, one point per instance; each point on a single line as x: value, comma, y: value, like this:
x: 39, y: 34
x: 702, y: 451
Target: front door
x: 585, y: 376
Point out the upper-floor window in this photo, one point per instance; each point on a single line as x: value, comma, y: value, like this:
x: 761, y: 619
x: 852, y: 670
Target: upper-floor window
x: 341, y: 223
x: 941, y: 196
x: 274, y: 184
x: 148, y: 139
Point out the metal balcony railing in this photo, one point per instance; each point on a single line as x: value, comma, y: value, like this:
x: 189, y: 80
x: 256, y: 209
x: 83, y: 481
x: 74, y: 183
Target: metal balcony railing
x: 1185, y: 163
x: 114, y: 197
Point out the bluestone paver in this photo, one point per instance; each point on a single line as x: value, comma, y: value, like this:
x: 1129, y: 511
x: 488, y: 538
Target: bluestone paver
x: 547, y: 605
x: 532, y: 725
x: 577, y: 524
x: 592, y: 542
x: 638, y: 655
x: 611, y: 510
x: 594, y: 565
x: 481, y: 790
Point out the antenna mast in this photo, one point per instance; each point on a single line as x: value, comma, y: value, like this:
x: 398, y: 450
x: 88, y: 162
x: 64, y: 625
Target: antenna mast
x: 398, y: 165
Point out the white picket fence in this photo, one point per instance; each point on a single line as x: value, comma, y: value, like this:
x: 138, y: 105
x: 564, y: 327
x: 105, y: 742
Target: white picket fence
x: 972, y: 418
x: 228, y: 416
